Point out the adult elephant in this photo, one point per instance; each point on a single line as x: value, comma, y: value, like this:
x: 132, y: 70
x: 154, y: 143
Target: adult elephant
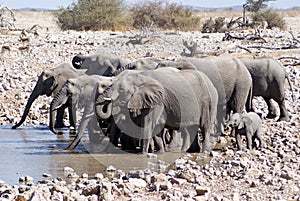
x: 80, y: 91
x: 268, y: 77
x: 49, y: 83
x: 229, y: 76
x: 143, y: 103
x: 98, y: 64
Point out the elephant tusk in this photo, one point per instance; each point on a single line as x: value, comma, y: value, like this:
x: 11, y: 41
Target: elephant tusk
x: 106, y: 99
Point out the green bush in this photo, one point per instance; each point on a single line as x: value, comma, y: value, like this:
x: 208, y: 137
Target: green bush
x: 92, y: 15
x: 163, y: 14
x: 272, y: 17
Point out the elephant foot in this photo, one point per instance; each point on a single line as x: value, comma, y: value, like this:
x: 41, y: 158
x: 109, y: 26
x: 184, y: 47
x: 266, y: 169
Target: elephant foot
x: 271, y: 116
x: 284, y: 118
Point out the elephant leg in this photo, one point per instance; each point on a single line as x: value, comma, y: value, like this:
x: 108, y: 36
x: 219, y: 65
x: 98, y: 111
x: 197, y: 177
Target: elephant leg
x: 259, y: 137
x: 59, y: 122
x: 249, y: 135
x: 146, y: 145
x: 176, y: 142
x: 190, y: 139
x: 72, y: 117
x: 271, y: 108
x: 160, y: 145
x: 238, y: 141
x: 284, y: 115
x: 206, y: 139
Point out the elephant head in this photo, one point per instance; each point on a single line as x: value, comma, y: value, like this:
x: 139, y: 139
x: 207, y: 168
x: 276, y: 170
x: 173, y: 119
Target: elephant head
x: 240, y: 121
x: 48, y: 83
x: 136, y: 98
x: 78, y: 60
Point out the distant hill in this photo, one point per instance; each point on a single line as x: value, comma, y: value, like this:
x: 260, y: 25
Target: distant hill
x: 35, y: 9
x: 234, y: 8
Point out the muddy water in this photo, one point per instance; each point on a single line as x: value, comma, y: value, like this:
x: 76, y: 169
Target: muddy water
x: 34, y: 151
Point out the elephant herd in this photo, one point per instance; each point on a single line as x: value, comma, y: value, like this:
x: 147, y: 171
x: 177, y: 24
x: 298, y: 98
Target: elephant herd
x: 157, y: 103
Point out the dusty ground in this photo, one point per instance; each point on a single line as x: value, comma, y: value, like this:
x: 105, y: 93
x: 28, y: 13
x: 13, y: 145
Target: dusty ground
x: 271, y: 173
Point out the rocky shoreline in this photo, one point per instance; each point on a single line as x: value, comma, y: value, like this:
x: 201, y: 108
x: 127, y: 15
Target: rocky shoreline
x: 270, y: 173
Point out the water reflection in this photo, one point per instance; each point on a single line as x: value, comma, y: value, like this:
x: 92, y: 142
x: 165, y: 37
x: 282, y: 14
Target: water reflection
x: 34, y: 151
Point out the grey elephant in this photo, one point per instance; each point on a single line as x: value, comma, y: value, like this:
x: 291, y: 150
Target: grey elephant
x: 229, y: 76
x: 145, y: 102
x: 81, y: 92
x: 99, y: 64
x: 49, y: 83
x: 248, y: 124
x: 268, y: 77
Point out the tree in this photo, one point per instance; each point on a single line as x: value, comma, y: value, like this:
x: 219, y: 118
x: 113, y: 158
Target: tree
x: 91, y: 15
x: 256, y: 5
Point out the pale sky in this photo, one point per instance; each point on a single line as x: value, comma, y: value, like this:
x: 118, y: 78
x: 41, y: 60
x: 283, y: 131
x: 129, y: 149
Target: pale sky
x: 54, y: 4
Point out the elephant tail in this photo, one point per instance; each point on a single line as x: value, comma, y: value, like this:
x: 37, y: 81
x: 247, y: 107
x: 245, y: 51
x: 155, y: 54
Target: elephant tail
x: 249, y: 100
x: 291, y: 88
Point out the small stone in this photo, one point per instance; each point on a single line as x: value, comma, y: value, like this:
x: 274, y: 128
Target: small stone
x: 68, y: 169
x: 111, y: 169
x: 202, y: 190
x: 99, y: 176
x: 151, y: 155
x: 47, y: 175
x: 136, y: 174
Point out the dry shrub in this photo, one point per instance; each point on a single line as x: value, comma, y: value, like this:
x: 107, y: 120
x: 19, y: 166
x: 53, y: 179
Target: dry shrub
x: 92, y: 15
x: 273, y: 18
x: 214, y: 25
x: 163, y: 15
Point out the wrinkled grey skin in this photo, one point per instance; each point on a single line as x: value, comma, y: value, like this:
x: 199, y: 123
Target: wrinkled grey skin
x: 49, y: 83
x: 229, y: 76
x: 81, y: 92
x: 99, y: 64
x: 165, y: 97
x: 248, y: 124
x: 268, y: 77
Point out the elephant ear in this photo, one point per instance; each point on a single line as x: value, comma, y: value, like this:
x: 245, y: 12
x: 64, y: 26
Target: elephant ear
x: 245, y: 121
x: 147, y: 96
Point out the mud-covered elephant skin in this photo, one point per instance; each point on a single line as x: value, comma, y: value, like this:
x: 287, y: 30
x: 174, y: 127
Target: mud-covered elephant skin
x: 49, y: 83
x: 99, y: 64
x: 268, y: 77
x: 80, y: 91
x: 248, y: 124
x: 146, y: 102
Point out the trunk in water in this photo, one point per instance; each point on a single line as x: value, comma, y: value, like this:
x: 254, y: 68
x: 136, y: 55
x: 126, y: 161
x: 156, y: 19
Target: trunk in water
x: 60, y: 99
x: 37, y: 91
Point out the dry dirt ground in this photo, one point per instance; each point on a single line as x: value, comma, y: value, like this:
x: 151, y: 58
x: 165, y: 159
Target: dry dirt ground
x: 271, y: 173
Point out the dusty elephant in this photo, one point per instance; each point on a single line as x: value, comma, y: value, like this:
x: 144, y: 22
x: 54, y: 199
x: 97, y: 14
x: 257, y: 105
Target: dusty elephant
x: 49, y: 83
x: 80, y: 92
x: 143, y: 103
x: 99, y: 64
x: 229, y: 76
x: 248, y: 124
x: 268, y: 77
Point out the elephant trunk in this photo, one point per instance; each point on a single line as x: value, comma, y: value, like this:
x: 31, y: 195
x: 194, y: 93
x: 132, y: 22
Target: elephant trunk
x: 103, y: 109
x: 77, y: 61
x: 35, y: 93
x: 60, y: 98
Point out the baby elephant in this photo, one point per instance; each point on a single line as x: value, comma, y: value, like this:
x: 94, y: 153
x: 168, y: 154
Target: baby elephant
x: 248, y: 124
